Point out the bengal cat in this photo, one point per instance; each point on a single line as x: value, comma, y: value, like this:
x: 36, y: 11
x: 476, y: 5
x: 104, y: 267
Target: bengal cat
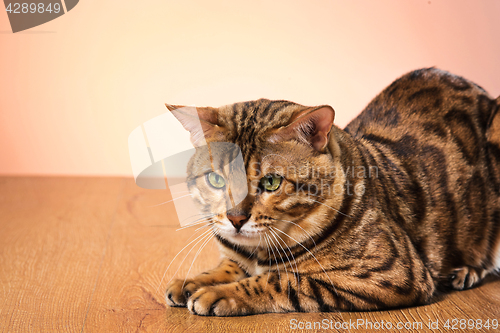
x: 403, y: 201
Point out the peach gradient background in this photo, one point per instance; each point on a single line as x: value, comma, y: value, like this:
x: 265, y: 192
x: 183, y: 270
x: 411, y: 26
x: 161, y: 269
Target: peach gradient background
x: 73, y: 89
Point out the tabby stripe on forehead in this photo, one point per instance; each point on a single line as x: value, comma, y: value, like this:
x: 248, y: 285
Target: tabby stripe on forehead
x: 239, y: 117
x: 241, y: 121
x: 250, y: 124
x: 234, y: 110
x: 246, y: 134
x: 266, y: 115
x: 282, y: 105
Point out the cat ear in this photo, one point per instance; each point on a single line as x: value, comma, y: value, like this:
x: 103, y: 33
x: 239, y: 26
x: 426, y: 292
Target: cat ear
x: 311, y: 126
x: 200, y: 122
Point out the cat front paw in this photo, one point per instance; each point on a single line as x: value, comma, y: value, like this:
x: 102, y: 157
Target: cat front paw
x: 179, y: 291
x: 216, y: 301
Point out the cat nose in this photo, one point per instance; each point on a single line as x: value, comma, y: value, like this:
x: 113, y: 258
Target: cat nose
x: 237, y: 220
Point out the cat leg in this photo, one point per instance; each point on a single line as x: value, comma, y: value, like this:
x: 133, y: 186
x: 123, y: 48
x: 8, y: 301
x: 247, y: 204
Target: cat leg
x: 179, y: 290
x: 290, y: 292
x: 371, y: 283
x: 466, y: 277
x: 272, y: 292
x: 315, y: 292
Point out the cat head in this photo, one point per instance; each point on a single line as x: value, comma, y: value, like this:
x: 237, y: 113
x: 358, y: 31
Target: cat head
x: 288, y: 162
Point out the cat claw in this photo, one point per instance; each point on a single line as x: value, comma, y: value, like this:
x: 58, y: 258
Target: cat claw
x: 465, y: 278
x: 179, y: 291
x: 208, y: 301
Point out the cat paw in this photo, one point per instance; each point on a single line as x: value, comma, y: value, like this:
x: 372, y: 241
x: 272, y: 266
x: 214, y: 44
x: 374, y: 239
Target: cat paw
x: 216, y: 301
x: 465, y: 277
x: 179, y: 291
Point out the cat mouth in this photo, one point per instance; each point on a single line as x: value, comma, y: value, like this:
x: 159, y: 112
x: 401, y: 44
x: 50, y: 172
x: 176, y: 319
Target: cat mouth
x: 245, y: 238
x: 245, y: 234
x: 241, y: 235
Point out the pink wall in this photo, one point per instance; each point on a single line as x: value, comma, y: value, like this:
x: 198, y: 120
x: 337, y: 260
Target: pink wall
x: 72, y: 89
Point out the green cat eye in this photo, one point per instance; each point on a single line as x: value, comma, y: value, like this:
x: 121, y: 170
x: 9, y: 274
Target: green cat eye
x: 216, y: 180
x: 271, y: 182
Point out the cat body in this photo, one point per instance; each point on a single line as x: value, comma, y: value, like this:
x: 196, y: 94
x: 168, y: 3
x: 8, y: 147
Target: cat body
x: 403, y: 201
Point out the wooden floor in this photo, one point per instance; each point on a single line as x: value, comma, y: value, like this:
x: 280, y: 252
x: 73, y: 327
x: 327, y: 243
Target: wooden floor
x: 91, y: 255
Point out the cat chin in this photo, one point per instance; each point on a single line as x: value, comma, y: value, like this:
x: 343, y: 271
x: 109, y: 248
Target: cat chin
x: 242, y: 238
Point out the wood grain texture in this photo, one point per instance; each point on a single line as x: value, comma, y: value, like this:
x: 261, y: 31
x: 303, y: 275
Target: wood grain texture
x: 89, y: 254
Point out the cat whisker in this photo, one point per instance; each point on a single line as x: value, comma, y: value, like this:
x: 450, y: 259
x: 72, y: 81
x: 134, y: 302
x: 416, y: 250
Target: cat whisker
x: 200, y: 221
x: 166, y: 202
x: 322, y: 268
x: 269, y: 255
x: 282, y: 249
x: 277, y: 251
x: 305, y: 248
x: 274, y: 255
x: 194, y: 233
x: 291, y: 254
x: 196, y: 256
x: 296, y: 267
x: 199, y: 237
x: 204, y: 226
x: 203, y: 215
x: 205, y: 218
x: 251, y: 254
x: 179, y: 192
x: 284, y: 265
x: 338, y: 211
x: 300, y: 228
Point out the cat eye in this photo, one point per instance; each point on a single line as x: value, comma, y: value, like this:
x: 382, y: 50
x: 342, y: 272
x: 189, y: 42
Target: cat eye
x: 215, y: 180
x: 271, y: 182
